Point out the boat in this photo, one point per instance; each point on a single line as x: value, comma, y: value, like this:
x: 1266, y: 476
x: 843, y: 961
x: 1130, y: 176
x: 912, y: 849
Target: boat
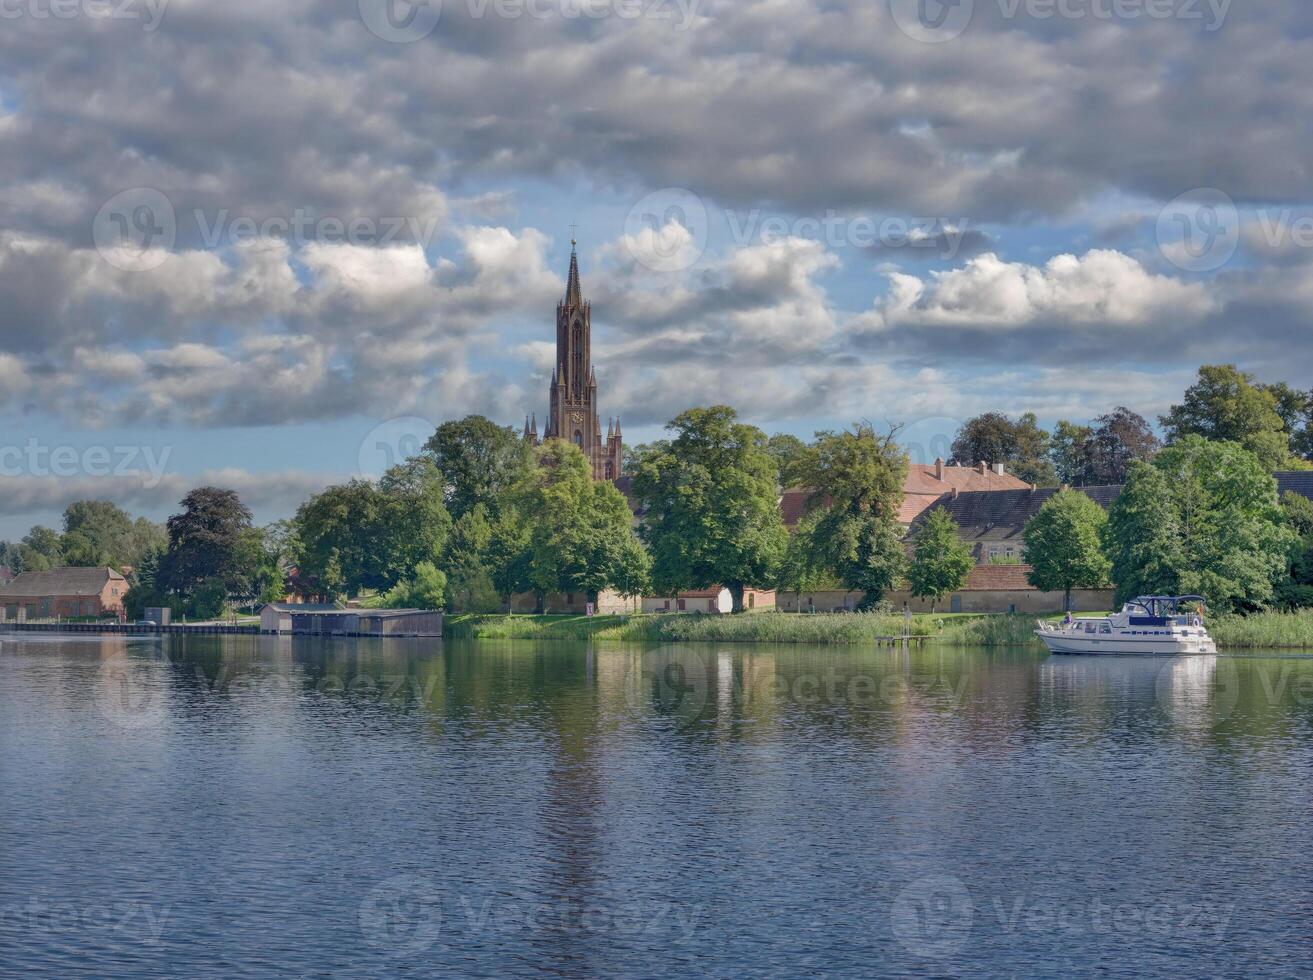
x: 1149, y: 626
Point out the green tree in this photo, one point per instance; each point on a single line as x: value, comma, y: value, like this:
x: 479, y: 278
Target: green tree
x: 1235, y: 541
x: 857, y: 480
x: 468, y: 561
x: 1299, y: 512
x: 711, y: 506
x: 941, y: 562
x: 1227, y: 405
x: 40, y: 550
x: 338, y: 531
x: 365, y: 535
x: 425, y: 589
x: 790, y: 455
x: 480, y: 460
x: 97, y: 534
x: 1063, y: 547
x: 580, y: 536
x: 414, y: 522
x: 1143, y: 536
x: 1022, y: 446
x: 1067, y: 451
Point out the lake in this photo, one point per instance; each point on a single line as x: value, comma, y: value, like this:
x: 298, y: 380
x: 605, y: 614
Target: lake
x: 251, y: 807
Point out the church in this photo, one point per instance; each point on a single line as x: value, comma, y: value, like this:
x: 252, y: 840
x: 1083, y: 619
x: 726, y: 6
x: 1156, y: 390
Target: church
x: 572, y: 396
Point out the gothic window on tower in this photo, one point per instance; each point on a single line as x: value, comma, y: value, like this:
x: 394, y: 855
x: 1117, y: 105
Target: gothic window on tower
x: 578, y: 438
x: 610, y: 470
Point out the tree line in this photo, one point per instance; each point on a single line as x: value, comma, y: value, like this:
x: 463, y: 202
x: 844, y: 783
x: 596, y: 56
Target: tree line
x: 480, y: 515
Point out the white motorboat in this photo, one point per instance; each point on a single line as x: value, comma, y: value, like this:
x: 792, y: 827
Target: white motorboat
x: 1150, y: 626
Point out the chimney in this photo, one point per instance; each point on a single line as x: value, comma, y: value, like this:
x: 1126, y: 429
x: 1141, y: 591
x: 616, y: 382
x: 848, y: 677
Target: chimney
x: 955, y: 491
x: 939, y: 468
x: 998, y: 469
x: 983, y: 468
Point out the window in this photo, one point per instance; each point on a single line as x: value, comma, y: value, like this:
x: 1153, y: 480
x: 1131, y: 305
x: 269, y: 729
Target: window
x: 680, y: 604
x: 610, y: 470
x: 578, y: 438
x: 1106, y: 628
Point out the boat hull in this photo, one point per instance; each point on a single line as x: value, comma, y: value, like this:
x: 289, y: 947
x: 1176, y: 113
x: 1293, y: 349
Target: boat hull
x: 1083, y: 644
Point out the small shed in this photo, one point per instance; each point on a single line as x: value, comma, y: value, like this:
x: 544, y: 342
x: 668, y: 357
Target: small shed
x: 400, y: 622
x: 276, y: 617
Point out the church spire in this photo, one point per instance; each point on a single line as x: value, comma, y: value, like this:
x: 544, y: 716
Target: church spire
x: 573, y: 292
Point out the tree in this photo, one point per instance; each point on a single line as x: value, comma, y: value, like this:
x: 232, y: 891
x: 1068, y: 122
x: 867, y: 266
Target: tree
x: 468, y: 561
x: 206, y: 544
x: 1143, y: 536
x: 96, y: 534
x: 426, y: 589
x: 1022, y: 446
x: 1299, y: 512
x: 941, y: 562
x: 1235, y: 540
x: 338, y: 531
x: 580, y: 537
x: 790, y: 455
x: 1063, y: 547
x: 40, y: 550
x: 1067, y: 451
x: 711, y: 506
x: 1227, y: 405
x: 1118, y: 440
x: 480, y: 460
x: 857, y: 482
x: 363, y: 535
x: 414, y: 522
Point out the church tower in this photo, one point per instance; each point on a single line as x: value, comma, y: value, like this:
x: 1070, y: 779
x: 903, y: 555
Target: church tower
x: 572, y: 397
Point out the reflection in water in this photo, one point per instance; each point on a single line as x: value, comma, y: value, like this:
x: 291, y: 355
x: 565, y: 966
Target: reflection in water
x: 298, y: 806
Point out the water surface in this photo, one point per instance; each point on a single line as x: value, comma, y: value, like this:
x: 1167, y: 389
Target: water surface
x: 243, y: 807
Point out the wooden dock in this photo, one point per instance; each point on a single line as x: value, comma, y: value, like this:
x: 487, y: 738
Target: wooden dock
x: 115, y: 629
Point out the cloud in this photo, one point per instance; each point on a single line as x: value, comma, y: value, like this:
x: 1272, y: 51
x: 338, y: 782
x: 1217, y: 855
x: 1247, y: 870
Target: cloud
x: 1099, y: 289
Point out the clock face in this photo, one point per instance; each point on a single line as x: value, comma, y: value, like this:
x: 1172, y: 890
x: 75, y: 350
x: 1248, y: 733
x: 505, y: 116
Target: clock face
x: 577, y: 418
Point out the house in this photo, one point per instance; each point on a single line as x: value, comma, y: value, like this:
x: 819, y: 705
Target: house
x: 63, y: 593
x: 925, y: 485
x: 1300, y: 482
x: 718, y: 601
x: 993, y: 522
x: 988, y: 589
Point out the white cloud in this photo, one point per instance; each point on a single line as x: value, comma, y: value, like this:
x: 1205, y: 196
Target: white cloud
x: 1100, y: 288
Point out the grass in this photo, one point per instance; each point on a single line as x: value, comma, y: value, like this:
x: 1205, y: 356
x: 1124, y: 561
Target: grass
x: 1270, y: 631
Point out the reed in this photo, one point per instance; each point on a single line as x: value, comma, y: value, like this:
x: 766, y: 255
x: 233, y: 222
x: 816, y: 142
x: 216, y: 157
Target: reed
x: 990, y: 631
x: 762, y: 627
x: 1264, y: 631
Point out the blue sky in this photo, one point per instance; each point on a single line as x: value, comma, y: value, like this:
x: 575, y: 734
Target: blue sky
x: 319, y: 236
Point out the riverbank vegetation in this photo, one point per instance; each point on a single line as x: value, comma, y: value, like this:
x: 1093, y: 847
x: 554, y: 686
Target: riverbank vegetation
x: 479, y: 515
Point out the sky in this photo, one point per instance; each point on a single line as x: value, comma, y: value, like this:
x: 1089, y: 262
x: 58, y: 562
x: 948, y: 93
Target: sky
x: 270, y: 246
